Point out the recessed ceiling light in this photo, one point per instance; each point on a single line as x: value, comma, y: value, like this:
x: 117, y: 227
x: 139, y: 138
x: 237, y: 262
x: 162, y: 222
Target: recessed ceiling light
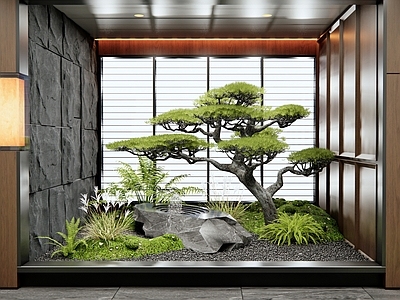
x: 267, y: 15
x: 138, y: 15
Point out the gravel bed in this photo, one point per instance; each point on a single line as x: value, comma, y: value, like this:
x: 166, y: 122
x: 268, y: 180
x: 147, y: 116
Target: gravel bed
x: 259, y: 250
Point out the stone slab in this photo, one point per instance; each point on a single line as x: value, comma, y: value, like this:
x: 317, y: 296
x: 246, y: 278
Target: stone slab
x: 207, y: 232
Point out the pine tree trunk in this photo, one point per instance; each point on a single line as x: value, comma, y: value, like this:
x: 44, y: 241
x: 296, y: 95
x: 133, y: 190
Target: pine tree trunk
x: 261, y: 194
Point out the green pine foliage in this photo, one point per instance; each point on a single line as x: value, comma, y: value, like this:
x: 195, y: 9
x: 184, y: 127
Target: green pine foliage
x: 178, y: 116
x: 71, y: 243
x: 312, y: 155
x: 236, y: 93
x: 255, y: 146
x: 161, y: 144
x: 214, y: 113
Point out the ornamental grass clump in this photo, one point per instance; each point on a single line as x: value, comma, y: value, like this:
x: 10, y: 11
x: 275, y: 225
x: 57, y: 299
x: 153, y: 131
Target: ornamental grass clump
x: 107, y: 226
x: 227, y: 198
x: 233, y: 208
x: 107, y: 216
x: 296, y: 228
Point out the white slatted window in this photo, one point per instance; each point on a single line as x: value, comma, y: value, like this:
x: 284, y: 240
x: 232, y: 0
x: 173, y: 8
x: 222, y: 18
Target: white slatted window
x: 127, y: 97
x: 132, y: 93
x: 180, y: 81
x: 291, y: 81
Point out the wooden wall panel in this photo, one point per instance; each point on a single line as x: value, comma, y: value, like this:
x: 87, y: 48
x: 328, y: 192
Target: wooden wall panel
x: 348, y: 213
x: 348, y: 107
x: 8, y: 219
x: 392, y: 185
x: 323, y: 120
x: 368, y: 83
x: 323, y: 186
x: 323, y: 97
x: 8, y: 36
x: 352, y: 116
x: 335, y: 90
x: 367, y: 211
x: 393, y: 36
x: 334, y: 191
x: 197, y: 47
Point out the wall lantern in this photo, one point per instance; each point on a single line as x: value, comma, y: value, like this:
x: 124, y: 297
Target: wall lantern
x: 12, y: 109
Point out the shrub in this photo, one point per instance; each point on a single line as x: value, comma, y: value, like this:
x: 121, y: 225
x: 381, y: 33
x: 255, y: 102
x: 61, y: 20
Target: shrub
x: 71, y: 242
x: 297, y: 228
x: 279, y: 202
x: 287, y: 208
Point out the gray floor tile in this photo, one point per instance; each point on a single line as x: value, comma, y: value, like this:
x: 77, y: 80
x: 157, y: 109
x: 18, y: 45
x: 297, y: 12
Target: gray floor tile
x: 304, y: 293
x: 55, y: 293
x: 171, y: 293
x: 381, y: 294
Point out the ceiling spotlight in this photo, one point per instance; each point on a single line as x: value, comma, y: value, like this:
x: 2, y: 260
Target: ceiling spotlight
x: 138, y: 15
x: 267, y: 15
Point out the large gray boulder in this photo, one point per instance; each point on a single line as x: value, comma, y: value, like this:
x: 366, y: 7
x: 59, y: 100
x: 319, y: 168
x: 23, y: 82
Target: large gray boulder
x: 200, y: 229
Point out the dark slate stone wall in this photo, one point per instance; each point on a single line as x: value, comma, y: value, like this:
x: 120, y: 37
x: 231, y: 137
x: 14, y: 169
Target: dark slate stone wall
x: 64, y: 129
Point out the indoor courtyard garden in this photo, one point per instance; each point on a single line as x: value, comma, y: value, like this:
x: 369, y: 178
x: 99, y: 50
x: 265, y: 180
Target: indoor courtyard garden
x: 145, y: 216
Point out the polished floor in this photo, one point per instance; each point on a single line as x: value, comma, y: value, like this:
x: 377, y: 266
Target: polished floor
x: 214, y: 293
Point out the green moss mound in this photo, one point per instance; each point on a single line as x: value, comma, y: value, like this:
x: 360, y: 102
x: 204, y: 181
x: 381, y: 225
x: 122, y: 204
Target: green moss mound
x: 127, y: 247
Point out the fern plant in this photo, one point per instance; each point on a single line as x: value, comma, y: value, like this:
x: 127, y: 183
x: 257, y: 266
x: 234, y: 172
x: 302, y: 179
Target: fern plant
x: 70, y: 240
x: 298, y: 228
x: 149, y: 183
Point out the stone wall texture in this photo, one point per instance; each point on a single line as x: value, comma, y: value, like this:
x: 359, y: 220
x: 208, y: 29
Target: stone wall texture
x: 64, y: 130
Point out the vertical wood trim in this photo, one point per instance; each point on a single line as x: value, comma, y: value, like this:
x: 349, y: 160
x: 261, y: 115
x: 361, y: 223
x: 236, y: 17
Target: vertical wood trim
x: 9, y: 10
x: 334, y: 89
x: 348, y: 100
x: 8, y: 219
x: 392, y: 127
x: 393, y: 36
x: 392, y: 181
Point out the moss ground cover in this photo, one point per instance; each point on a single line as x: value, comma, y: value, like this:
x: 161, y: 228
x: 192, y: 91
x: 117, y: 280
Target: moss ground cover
x: 126, y: 247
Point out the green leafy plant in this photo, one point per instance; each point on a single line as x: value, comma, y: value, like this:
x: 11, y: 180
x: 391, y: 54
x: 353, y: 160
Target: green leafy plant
x: 107, y: 226
x: 297, y: 228
x: 149, y: 183
x: 71, y: 242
